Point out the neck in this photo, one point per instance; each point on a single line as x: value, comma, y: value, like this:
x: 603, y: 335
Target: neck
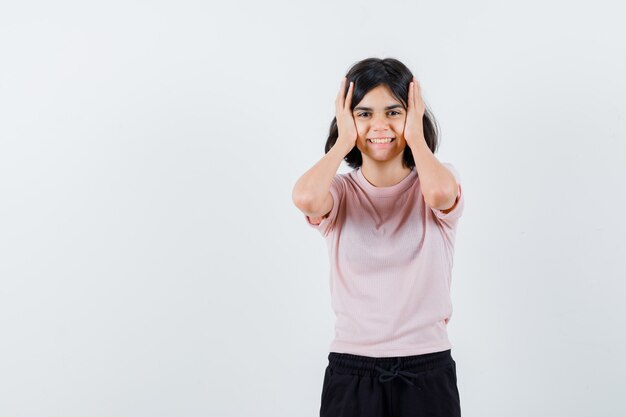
x: 384, y: 174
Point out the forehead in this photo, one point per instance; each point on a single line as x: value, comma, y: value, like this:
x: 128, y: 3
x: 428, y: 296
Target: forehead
x: 379, y: 96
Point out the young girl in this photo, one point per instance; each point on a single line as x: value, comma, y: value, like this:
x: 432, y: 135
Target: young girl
x: 390, y: 228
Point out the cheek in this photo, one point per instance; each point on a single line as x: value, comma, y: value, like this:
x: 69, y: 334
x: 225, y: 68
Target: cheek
x: 399, y: 125
x: 361, y: 128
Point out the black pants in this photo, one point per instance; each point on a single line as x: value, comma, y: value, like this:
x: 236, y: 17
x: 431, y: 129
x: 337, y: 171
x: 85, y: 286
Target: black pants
x: 402, y: 386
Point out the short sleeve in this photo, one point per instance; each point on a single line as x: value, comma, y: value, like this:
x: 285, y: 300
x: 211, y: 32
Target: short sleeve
x: 451, y: 218
x: 327, y: 224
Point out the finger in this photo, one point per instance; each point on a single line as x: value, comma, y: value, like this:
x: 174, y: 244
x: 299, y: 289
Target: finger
x: 339, y: 99
x: 349, y: 96
x: 341, y: 91
x: 410, y: 100
x: 418, y: 89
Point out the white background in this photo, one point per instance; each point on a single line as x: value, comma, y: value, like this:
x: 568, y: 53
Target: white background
x: 153, y: 264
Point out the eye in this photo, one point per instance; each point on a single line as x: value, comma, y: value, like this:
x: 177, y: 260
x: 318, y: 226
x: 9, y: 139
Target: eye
x: 361, y: 114
x: 393, y: 111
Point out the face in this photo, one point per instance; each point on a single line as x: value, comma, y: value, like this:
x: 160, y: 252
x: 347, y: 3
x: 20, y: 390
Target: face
x: 380, y: 115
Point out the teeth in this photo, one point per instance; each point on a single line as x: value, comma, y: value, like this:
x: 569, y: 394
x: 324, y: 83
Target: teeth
x: 387, y: 140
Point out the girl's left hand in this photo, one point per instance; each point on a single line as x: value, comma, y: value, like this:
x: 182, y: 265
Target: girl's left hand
x: 413, y: 127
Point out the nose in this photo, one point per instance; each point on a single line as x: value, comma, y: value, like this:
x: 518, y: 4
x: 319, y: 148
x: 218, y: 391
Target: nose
x: 379, y: 123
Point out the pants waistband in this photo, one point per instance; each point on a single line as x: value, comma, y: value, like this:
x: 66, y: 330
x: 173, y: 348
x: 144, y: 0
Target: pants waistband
x: 407, y: 368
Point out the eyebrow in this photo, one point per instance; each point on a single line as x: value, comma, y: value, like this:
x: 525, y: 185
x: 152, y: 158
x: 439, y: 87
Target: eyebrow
x: 393, y: 106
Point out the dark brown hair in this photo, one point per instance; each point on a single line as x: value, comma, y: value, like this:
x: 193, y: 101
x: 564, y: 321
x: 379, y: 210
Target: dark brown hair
x: 369, y: 74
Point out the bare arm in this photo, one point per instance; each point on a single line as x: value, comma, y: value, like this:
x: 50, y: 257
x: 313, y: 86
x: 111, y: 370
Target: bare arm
x: 438, y: 184
x: 311, y: 193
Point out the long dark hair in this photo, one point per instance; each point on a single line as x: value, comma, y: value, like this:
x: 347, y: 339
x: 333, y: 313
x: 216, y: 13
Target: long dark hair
x: 368, y: 74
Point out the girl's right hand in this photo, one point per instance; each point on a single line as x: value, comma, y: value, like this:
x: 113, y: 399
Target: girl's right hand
x: 345, y: 121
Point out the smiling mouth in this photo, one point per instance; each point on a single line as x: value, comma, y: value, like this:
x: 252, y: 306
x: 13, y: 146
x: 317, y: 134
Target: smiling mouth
x: 381, y: 142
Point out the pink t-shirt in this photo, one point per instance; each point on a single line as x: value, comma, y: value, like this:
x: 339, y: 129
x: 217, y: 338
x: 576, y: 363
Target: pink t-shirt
x: 391, y: 260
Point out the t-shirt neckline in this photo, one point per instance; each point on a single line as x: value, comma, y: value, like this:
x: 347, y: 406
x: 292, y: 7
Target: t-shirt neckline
x: 395, y: 189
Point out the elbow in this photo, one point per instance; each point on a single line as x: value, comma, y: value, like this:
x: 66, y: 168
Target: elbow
x: 303, y: 201
x: 442, y: 199
x: 298, y: 197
